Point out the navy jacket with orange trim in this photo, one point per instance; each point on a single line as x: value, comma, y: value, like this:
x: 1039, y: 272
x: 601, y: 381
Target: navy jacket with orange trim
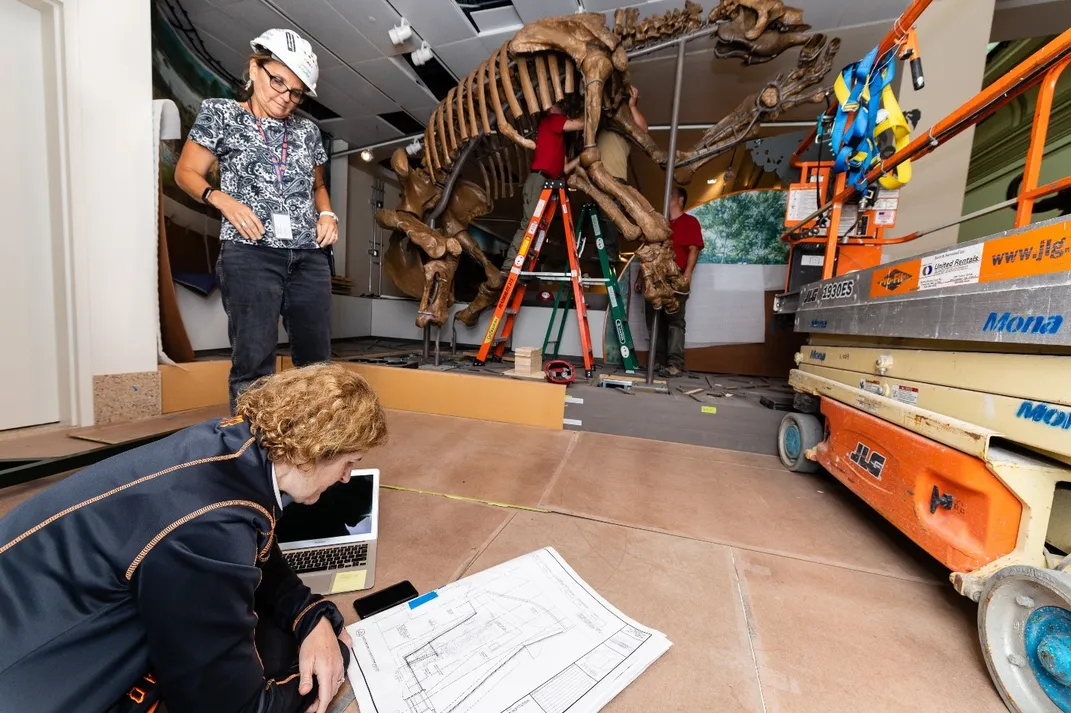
x: 149, y: 561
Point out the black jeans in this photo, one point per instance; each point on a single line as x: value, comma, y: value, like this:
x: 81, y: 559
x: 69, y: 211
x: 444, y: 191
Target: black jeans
x: 670, y: 340
x: 258, y: 285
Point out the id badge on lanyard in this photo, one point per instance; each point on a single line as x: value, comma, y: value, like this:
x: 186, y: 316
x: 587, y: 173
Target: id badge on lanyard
x: 281, y: 226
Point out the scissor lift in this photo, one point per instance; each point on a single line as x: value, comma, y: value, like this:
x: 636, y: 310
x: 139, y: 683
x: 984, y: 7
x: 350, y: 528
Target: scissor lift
x: 938, y: 389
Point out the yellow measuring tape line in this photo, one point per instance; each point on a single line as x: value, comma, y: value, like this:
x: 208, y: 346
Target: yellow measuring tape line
x: 462, y: 498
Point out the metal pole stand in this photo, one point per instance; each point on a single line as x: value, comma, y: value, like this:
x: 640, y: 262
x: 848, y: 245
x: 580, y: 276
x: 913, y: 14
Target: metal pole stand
x: 671, y: 164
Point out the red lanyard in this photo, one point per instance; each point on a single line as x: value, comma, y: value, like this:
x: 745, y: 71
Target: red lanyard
x: 278, y: 164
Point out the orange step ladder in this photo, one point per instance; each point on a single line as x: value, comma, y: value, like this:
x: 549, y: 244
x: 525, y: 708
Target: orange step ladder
x: 553, y: 197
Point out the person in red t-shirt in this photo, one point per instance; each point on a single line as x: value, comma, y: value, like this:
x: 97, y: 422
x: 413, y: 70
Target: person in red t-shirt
x: 547, y: 162
x: 687, y: 240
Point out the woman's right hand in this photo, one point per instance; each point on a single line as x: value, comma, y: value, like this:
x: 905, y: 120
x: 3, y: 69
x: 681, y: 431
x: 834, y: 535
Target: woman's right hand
x: 239, y: 215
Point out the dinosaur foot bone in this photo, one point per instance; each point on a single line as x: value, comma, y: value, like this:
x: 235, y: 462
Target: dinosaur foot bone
x: 438, y: 291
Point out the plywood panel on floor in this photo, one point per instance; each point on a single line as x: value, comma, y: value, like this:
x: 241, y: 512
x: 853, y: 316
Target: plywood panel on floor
x: 500, y: 462
x: 143, y: 428
x: 701, y: 493
x: 829, y: 640
x: 51, y: 443
x: 684, y: 588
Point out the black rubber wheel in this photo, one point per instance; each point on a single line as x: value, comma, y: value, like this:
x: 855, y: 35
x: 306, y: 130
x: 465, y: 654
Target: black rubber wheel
x: 799, y: 432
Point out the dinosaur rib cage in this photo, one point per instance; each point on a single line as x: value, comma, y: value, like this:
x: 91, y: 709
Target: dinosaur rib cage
x: 498, y: 104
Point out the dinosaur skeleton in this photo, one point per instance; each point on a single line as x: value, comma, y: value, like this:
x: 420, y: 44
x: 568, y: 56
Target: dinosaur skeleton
x: 487, y: 124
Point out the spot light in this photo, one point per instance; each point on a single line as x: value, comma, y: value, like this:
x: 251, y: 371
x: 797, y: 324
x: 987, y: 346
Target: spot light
x: 399, y: 34
x: 711, y: 181
x: 423, y: 54
x: 366, y: 156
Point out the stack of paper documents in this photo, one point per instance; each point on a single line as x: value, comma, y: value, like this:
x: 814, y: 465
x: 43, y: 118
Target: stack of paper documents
x: 527, y: 636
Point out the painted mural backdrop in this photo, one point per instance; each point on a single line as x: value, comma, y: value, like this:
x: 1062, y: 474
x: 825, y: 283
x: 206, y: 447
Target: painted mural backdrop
x: 181, y: 76
x: 744, y: 228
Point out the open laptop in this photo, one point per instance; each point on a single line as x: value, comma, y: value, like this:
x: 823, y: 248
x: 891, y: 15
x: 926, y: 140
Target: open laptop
x: 331, y: 544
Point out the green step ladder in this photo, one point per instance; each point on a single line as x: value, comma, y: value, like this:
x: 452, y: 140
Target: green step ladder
x: 618, y: 323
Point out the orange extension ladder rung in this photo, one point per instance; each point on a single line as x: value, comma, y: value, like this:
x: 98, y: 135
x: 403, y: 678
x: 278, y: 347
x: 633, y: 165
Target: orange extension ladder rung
x: 553, y: 196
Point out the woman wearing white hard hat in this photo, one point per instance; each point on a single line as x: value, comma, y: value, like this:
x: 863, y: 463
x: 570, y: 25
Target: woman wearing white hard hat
x: 277, y: 223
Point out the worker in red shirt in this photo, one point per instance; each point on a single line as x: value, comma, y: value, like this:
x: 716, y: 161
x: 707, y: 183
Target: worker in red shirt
x: 548, y: 162
x: 687, y: 240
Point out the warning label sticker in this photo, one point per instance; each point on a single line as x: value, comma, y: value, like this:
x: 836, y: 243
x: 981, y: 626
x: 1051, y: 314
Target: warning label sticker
x: 887, y: 200
x: 952, y: 267
x: 906, y: 395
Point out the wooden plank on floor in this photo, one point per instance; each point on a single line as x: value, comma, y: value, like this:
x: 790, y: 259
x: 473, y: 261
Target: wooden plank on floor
x: 194, y: 385
x: 143, y: 428
x: 527, y: 403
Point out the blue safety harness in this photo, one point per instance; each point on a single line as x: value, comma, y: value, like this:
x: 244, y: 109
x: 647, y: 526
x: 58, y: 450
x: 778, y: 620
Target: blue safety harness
x: 855, y: 147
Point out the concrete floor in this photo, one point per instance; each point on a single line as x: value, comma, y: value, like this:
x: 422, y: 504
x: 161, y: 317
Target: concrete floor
x: 780, y: 592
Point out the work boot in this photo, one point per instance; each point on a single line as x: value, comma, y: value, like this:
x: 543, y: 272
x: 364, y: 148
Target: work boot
x: 669, y: 372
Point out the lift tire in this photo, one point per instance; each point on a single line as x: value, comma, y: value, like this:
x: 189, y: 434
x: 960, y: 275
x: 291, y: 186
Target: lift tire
x: 798, y: 433
x: 1024, y: 625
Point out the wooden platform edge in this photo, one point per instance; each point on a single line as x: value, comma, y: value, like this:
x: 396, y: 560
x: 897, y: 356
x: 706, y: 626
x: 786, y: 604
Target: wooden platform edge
x: 526, y: 403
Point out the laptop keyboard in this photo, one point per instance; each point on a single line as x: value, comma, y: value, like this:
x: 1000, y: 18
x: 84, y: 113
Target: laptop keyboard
x: 326, y: 558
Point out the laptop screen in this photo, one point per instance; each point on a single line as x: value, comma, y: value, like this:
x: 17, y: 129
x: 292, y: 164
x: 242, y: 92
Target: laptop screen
x: 345, y: 512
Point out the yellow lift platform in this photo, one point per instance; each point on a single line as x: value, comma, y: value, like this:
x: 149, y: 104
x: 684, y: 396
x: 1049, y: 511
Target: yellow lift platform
x: 938, y: 388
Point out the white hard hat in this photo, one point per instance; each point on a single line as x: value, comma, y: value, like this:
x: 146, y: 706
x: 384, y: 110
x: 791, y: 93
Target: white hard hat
x: 293, y: 51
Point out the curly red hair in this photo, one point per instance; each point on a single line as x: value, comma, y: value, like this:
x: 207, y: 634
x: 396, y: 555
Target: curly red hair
x: 301, y: 416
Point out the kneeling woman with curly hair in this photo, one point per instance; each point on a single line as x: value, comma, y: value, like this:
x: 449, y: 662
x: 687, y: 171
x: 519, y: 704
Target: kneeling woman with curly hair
x: 155, y: 574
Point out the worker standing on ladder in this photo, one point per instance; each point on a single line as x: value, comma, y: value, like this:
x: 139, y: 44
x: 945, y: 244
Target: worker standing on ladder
x: 687, y: 240
x: 614, y: 148
x: 548, y: 163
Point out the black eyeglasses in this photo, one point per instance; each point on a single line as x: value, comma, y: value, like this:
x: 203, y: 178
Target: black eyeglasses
x: 279, y: 84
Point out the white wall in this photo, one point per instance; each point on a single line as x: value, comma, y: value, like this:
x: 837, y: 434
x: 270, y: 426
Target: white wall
x: 113, y: 221
x: 952, y: 35
x: 359, y: 233
x: 206, y: 322
x: 29, y: 362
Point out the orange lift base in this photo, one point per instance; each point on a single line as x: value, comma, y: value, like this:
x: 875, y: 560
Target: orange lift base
x: 947, y: 502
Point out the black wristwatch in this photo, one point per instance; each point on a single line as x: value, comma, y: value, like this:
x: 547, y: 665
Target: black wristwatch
x: 206, y: 194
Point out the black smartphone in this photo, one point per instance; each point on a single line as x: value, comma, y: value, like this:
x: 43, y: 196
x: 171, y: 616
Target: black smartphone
x: 384, y: 599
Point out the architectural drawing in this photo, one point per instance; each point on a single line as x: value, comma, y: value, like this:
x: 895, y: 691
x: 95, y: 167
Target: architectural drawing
x: 527, y: 636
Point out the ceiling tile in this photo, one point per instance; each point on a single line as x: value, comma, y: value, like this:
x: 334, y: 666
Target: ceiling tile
x: 234, y: 62
x: 494, y: 40
x: 530, y: 10
x: 322, y: 21
x: 369, y: 98
x: 439, y: 22
x: 398, y: 83
x: 374, y: 19
x: 237, y: 23
x: 361, y: 131
x: 498, y: 18
x: 462, y: 57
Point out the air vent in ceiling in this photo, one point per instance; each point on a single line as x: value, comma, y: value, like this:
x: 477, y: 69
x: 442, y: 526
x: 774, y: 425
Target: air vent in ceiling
x: 435, y: 76
x: 317, y: 110
x: 404, y: 123
x: 470, y: 6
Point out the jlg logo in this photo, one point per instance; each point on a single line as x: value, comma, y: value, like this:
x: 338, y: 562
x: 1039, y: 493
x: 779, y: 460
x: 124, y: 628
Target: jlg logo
x: 870, y: 461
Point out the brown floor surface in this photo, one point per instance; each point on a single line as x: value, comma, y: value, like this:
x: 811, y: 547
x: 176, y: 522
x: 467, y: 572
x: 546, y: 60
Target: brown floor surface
x: 780, y: 592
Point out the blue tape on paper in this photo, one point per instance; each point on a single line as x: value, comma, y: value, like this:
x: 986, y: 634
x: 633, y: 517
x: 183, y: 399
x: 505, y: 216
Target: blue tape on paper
x: 422, y: 599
